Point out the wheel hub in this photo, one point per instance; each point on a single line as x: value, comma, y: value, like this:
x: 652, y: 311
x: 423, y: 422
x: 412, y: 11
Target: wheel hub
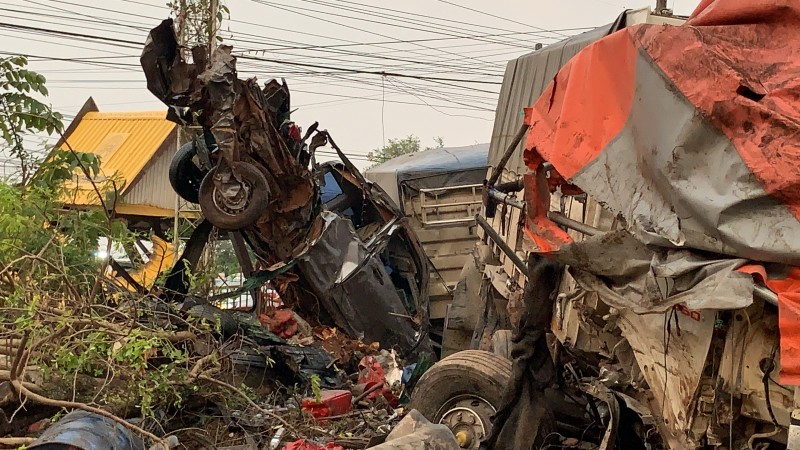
x: 231, y: 196
x: 469, y: 418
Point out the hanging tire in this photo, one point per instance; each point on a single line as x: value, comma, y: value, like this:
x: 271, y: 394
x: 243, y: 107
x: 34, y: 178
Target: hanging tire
x: 501, y: 343
x: 184, y: 176
x: 463, y: 391
x: 239, y: 212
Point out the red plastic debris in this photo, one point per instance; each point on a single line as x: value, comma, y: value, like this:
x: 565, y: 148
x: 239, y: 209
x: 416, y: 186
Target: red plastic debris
x: 35, y: 427
x: 280, y: 321
x: 371, y: 373
x: 332, y: 403
x: 302, y: 444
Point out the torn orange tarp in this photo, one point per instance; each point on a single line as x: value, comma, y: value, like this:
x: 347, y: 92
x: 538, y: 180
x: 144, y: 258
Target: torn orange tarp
x: 787, y: 287
x: 690, y: 134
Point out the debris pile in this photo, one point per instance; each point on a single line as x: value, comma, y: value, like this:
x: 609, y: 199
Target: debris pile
x: 115, y: 364
x: 174, y: 374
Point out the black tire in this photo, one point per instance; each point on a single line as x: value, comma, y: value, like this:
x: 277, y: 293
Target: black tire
x: 184, y: 176
x: 220, y: 320
x: 248, y: 214
x: 501, y: 343
x: 469, y: 372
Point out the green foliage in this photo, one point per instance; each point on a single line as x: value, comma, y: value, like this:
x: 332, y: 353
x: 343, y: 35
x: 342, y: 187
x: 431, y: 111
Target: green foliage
x: 62, y: 165
x: 194, y: 19
x: 315, y: 387
x: 54, y: 291
x: 34, y: 223
x: 398, y: 147
x: 20, y: 112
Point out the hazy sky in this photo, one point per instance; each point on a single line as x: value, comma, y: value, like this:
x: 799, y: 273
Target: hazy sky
x: 452, y: 40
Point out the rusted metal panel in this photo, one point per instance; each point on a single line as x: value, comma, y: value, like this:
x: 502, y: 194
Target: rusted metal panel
x: 340, y: 244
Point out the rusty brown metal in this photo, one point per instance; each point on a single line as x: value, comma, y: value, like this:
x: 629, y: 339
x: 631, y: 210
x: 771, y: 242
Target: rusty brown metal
x: 338, y: 261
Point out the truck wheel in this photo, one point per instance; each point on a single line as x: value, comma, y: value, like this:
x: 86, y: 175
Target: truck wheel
x: 463, y: 391
x: 184, y: 176
x: 501, y: 343
x: 240, y: 210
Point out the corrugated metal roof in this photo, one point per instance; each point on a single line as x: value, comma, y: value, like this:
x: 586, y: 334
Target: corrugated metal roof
x: 125, y: 143
x: 128, y: 209
x: 525, y: 79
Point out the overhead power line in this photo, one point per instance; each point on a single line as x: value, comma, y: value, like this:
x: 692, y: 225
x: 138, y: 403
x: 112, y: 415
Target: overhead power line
x: 14, y: 26
x: 396, y: 21
x: 497, y: 17
x: 277, y: 61
x: 326, y: 19
x: 410, y: 41
x: 370, y: 72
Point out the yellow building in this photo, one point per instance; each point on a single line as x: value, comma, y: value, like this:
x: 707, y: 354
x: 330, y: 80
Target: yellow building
x: 135, y: 150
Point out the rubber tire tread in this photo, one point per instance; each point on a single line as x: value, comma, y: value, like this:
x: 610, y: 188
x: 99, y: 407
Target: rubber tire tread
x: 215, y: 317
x: 184, y: 176
x: 467, y: 372
x: 258, y: 200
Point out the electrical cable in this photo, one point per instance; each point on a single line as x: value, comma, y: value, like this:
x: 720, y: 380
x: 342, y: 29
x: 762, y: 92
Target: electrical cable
x: 495, y: 16
x: 248, y: 57
x: 306, y: 13
x: 338, y: 7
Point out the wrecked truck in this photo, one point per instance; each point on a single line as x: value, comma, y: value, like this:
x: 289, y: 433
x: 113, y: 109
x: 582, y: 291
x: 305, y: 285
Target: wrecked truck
x: 334, y: 243
x: 640, y: 245
x: 439, y: 192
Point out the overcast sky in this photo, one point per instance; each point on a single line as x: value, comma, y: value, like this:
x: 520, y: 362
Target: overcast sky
x: 454, y: 41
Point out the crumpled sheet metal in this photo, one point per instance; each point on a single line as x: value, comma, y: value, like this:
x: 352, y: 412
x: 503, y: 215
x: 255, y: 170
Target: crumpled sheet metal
x: 361, y: 306
x: 237, y: 113
x: 358, y: 295
x: 631, y: 276
x: 690, y: 134
x: 674, y: 386
x: 718, y: 171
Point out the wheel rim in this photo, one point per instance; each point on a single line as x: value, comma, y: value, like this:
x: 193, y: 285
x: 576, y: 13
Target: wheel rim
x: 468, y: 417
x: 233, y: 198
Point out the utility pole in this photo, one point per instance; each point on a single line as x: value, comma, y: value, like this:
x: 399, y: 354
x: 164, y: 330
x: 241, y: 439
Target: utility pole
x: 213, y: 10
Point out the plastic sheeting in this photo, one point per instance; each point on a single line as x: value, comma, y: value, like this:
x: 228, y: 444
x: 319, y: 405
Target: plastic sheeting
x: 690, y: 134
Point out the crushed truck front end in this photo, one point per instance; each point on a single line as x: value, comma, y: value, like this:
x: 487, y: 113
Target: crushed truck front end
x: 639, y: 237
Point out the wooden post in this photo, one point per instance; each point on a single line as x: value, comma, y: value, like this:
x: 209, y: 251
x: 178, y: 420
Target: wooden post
x: 213, y: 9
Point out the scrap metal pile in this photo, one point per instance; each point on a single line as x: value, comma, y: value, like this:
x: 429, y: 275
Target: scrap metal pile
x: 328, y: 366
x: 334, y: 241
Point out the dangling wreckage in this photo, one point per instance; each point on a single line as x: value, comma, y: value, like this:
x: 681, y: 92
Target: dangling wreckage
x: 334, y: 242
x: 661, y: 225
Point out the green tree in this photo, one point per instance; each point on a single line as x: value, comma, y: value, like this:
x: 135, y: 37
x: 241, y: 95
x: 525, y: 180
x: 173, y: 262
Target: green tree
x: 74, y: 320
x: 194, y: 21
x: 21, y: 113
x: 397, y: 147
